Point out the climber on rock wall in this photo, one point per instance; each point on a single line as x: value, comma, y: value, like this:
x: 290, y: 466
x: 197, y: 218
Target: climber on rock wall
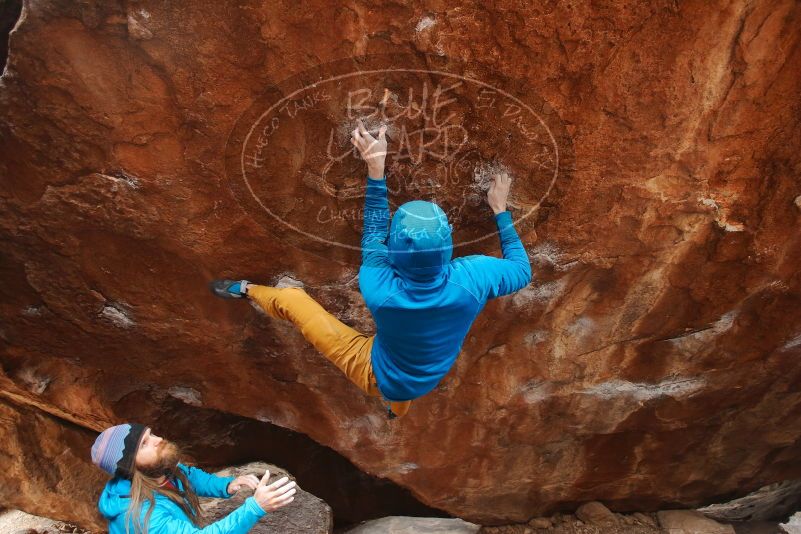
x: 422, y: 301
x: 153, y: 493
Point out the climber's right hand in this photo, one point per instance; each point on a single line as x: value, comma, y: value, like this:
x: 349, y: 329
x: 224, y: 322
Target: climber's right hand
x: 372, y: 150
x: 278, y: 494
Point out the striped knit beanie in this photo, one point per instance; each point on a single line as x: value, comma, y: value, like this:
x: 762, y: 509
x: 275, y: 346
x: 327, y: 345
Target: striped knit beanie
x: 114, y: 450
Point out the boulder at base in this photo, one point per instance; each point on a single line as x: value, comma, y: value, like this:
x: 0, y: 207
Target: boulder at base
x: 305, y: 515
x: 415, y: 525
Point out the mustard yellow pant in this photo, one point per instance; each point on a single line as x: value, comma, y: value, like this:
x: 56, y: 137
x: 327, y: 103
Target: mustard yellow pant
x: 345, y: 347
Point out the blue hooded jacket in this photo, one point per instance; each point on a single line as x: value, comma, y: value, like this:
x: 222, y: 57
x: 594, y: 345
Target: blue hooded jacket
x: 422, y: 301
x: 168, y: 517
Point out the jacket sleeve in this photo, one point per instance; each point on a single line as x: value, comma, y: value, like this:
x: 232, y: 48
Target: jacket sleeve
x: 375, y: 272
x: 496, y: 277
x: 239, y: 521
x: 376, y: 224
x: 206, y: 484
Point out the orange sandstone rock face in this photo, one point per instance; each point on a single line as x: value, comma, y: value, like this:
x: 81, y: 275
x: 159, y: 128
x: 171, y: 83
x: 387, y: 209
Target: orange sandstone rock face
x: 655, y: 151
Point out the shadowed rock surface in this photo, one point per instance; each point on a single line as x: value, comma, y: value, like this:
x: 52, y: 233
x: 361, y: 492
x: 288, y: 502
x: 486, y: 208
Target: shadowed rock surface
x: 652, y: 363
x: 775, y: 501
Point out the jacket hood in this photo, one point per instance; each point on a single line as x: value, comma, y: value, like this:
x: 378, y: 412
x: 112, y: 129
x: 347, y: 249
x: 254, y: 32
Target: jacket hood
x: 115, y: 498
x: 420, y: 243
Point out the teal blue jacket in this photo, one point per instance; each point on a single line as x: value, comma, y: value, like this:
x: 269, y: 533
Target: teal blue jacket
x: 167, y: 517
x: 424, y: 302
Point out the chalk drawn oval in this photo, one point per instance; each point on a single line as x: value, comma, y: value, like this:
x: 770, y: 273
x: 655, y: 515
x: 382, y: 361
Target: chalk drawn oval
x: 291, y: 166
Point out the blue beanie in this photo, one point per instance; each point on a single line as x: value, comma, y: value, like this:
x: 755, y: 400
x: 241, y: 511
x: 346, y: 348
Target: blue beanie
x: 420, y: 242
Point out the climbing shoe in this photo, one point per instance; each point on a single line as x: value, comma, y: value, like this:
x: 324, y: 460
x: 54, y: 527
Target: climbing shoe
x: 228, y: 289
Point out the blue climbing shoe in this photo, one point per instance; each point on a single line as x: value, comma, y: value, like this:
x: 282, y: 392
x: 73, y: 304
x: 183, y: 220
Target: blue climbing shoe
x: 228, y: 289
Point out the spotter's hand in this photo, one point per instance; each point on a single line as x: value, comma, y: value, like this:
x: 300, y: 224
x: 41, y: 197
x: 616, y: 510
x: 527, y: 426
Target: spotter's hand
x: 276, y: 495
x: 244, y: 481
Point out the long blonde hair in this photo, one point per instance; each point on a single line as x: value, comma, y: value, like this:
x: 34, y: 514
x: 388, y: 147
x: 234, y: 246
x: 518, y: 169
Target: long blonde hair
x: 144, y: 488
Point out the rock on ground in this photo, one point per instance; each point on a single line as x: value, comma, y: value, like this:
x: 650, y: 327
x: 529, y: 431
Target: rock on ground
x: 691, y: 522
x: 770, y: 502
x: 415, y: 525
x: 793, y: 524
x: 18, y: 522
x: 595, y: 513
x: 307, y: 514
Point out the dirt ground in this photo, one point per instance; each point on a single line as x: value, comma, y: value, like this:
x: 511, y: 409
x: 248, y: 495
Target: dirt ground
x: 16, y: 522
x: 628, y: 524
